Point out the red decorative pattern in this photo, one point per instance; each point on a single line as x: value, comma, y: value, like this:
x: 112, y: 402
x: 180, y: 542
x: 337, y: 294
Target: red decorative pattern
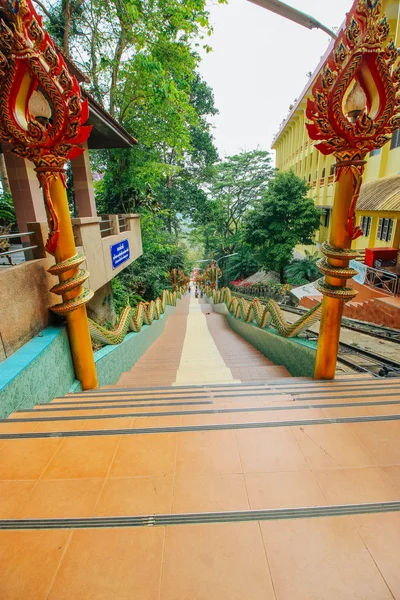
x: 361, y: 55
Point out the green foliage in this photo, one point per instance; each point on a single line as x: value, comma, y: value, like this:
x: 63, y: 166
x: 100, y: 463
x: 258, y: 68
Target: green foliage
x: 237, y: 184
x: 147, y: 276
x: 283, y: 218
x: 302, y: 271
x: 7, y: 212
x: 123, y: 296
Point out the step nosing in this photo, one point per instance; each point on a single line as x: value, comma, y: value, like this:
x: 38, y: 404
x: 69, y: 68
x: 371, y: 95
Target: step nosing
x: 162, y: 520
x: 193, y: 428
x: 220, y: 411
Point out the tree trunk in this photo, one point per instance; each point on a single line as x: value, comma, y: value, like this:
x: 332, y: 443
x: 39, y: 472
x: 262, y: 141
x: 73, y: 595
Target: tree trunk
x: 282, y: 274
x: 67, y: 26
x: 3, y: 175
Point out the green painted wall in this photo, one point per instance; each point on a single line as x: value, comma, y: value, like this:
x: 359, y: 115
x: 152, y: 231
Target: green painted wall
x: 42, y: 369
x: 37, y: 372
x: 296, y: 354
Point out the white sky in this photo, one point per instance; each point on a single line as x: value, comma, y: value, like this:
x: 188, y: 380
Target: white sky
x: 258, y: 67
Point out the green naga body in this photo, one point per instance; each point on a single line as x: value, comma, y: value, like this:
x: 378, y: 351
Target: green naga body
x: 264, y: 315
x: 133, y: 319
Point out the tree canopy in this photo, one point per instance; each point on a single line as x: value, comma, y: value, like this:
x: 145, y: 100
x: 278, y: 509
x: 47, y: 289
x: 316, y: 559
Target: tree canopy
x: 283, y: 218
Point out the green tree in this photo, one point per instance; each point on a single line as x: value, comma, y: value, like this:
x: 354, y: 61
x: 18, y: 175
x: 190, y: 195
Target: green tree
x: 238, y: 184
x: 302, y: 271
x: 283, y: 218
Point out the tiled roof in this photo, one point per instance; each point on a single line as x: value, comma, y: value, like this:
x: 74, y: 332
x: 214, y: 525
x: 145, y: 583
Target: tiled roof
x: 380, y: 195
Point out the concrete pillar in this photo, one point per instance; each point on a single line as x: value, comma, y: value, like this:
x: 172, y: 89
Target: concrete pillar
x: 83, y: 185
x: 26, y: 193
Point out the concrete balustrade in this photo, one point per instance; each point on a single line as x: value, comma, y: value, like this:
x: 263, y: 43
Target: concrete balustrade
x: 97, y: 249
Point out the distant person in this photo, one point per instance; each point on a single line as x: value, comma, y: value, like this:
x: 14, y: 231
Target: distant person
x: 201, y: 294
x: 190, y: 289
x: 196, y: 294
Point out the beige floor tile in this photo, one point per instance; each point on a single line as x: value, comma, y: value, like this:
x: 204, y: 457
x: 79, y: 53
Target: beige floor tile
x: 381, y: 440
x: 307, y: 414
x: 61, y: 498
x: 12, y: 495
x: 209, y: 493
x: 100, y: 424
x: 215, y: 562
x: 28, y: 562
x: 86, y: 457
x: 18, y: 427
x: 353, y: 486
x: 135, y: 496
x: 111, y: 564
x: 144, y: 455
x: 381, y: 534
x: 393, y: 473
x: 331, y: 446
x: 208, y: 452
x: 270, y: 449
x: 321, y: 559
x: 283, y: 490
x: 26, y: 459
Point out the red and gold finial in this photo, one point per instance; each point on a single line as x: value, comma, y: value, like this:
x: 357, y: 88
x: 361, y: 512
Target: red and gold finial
x: 363, y: 63
x: 29, y: 63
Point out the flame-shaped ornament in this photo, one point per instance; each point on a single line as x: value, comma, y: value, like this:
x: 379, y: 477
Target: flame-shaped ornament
x: 365, y: 64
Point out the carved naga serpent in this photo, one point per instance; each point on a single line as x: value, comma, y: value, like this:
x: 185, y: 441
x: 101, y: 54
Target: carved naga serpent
x: 133, y: 319
x: 264, y: 315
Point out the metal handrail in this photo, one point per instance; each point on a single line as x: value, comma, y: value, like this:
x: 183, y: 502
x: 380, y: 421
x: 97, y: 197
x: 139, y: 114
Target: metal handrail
x: 383, y: 280
x: 123, y: 226
x: 15, y: 235
x: 25, y: 249
x: 104, y: 230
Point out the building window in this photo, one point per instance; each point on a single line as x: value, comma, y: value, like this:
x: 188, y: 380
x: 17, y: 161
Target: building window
x: 332, y: 171
x: 375, y: 152
x: 323, y: 173
x: 365, y: 225
x: 385, y: 229
x: 326, y: 217
x: 395, y: 143
x: 309, y: 178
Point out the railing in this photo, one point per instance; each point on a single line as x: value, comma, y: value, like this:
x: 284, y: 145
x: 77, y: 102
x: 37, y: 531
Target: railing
x: 19, y: 250
x: 123, y: 223
x: 383, y: 280
x: 106, y: 228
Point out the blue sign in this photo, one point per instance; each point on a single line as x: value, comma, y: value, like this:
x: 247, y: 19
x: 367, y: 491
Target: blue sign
x: 120, y: 253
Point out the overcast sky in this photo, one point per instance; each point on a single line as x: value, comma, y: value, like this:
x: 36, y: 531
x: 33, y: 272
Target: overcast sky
x: 258, y: 67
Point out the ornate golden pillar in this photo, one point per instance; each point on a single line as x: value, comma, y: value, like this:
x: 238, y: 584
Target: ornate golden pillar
x: 353, y: 111
x: 42, y: 116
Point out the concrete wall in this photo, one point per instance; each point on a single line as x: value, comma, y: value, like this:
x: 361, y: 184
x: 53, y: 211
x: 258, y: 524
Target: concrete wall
x: 25, y: 301
x: 42, y: 369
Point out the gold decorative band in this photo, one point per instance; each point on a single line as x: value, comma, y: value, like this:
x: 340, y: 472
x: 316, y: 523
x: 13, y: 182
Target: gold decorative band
x: 74, y: 303
x: 70, y: 284
x: 340, y: 272
x: 341, y: 293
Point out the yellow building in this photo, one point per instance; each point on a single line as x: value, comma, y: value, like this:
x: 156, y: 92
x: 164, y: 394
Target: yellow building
x: 378, y: 209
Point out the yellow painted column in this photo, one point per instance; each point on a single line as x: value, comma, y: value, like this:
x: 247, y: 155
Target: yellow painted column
x: 373, y: 232
x: 77, y: 321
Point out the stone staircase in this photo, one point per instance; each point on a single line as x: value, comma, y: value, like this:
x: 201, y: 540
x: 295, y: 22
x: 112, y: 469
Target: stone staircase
x: 380, y: 311
x: 215, y: 492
